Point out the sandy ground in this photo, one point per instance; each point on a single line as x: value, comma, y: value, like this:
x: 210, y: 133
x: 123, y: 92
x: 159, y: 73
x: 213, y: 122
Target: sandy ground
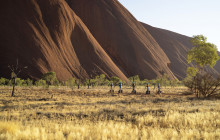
x: 64, y: 113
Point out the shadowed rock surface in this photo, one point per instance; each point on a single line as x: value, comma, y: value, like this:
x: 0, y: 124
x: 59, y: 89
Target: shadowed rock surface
x: 46, y: 35
x: 125, y: 40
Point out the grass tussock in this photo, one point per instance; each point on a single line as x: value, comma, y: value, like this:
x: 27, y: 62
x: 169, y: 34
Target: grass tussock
x: 97, y: 114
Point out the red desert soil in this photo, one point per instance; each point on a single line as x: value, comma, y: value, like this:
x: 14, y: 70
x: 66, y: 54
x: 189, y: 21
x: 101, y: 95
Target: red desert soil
x: 46, y: 35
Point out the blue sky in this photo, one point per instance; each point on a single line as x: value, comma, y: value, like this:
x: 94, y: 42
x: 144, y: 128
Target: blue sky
x: 187, y: 17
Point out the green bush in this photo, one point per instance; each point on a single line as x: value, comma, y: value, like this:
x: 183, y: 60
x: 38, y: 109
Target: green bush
x: 115, y: 80
x: 19, y: 82
x: 136, y: 79
x: 56, y: 83
x: 28, y: 82
x: 163, y: 80
x: 94, y: 82
x: 71, y: 82
x: 50, y: 78
x: 144, y: 82
x: 87, y: 82
x: 3, y: 81
x: 174, y: 83
x: 100, y: 80
x: 41, y: 83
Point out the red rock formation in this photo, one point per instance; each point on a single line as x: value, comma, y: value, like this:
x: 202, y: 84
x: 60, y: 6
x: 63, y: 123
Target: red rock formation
x: 124, y: 39
x: 46, y: 35
x: 176, y: 47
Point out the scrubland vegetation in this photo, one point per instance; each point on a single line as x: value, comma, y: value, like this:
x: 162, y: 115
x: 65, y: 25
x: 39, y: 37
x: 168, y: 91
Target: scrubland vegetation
x: 66, y: 113
x: 49, y: 79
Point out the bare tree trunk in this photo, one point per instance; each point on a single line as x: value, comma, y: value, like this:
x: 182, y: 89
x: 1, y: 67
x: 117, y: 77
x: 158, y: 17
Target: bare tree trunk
x: 89, y: 84
x: 79, y: 84
x: 15, y: 72
x: 196, y: 88
x: 13, y: 80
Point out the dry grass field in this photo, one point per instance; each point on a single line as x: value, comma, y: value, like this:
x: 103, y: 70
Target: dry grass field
x: 94, y: 114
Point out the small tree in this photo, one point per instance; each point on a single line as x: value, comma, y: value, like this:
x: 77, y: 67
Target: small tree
x: 163, y: 80
x: 115, y: 80
x: 29, y: 82
x: 144, y: 82
x: 190, y: 80
x: 153, y: 82
x: 173, y: 83
x: 135, y: 79
x: 41, y: 82
x: 15, y: 71
x: 80, y: 72
x: 50, y: 78
x: 102, y: 80
x: 91, y: 76
x: 71, y: 83
x: 204, y: 54
x: 3, y: 81
x: 19, y: 82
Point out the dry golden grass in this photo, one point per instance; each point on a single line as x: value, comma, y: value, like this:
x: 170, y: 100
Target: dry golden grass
x: 62, y: 113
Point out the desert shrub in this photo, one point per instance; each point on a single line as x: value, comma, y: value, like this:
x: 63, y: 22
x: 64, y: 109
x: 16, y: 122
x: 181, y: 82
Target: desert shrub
x: 56, y: 83
x: 9, y: 83
x: 94, y: 82
x: 174, y: 83
x: 144, y: 82
x: 163, y: 80
x: 71, y: 82
x: 153, y: 83
x: 208, y: 85
x: 28, y: 82
x: 3, y: 81
x: 78, y: 82
x: 136, y: 79
x: 202, y: 84
x: 189, y: 82
x: 102, y: 80
x: 41, y: 83
x: 19, y: 82
x: 115, y: 80
x: 99, y: 80
x: 63, y: 83
x: 180, y: 83
x: 50, y: 78
x: 87, y: 82
x: 205, y: 85
x: 90, y: 82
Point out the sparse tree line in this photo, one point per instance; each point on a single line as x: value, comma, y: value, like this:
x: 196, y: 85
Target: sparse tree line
x: 50, y: 79
x: 200, y: 82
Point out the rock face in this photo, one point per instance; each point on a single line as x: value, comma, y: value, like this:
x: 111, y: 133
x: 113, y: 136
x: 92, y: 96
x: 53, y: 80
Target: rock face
x: 46, y: 35
x: 80, y: 38
x: 176, y: 47
x: 124, y: 39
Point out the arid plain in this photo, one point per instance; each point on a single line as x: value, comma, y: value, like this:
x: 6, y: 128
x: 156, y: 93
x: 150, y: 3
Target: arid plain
x: 63, y: 113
